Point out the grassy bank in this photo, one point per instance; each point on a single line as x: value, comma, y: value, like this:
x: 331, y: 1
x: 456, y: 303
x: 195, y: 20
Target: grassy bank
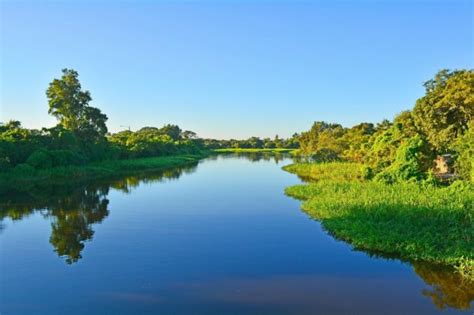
x: 409, y: 220
x: 103, y: 169
x: 242, y: 150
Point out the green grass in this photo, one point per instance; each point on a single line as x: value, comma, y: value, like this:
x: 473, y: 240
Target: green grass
x: 334, y: 171
x: 96, y: 170
x: 242, y: 150
x: 412, y: 221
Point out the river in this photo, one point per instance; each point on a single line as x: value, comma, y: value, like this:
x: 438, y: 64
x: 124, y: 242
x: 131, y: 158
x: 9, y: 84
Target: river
x: 218, y: 237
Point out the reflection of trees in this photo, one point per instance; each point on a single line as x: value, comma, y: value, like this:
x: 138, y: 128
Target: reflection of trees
x: 73, y: 220
x: 74, y: 208
x: 126, y: 184
x: 448, y: 289
x: 255, y: 156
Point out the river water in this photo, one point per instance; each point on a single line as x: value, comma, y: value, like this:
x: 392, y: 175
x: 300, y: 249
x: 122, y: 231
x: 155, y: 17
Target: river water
x: 218, y: 237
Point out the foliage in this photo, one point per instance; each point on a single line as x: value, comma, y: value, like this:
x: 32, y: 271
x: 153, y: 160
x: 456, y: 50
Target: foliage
x: 151, y: 141
x: 335, y: 171
x: 409, y: 163
x: 252, y: 150
x: 405, y: 148
x: 445, y: 111
x: 25, y: 174
x: 464, y: 152
x: 416, y: 222
x: 253, y: 143
x: 80, y: 136
x: 70, y: 105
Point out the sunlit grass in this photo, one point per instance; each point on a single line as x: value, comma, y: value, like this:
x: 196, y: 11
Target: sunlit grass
x: 334, y: 171
x: 416, y: 222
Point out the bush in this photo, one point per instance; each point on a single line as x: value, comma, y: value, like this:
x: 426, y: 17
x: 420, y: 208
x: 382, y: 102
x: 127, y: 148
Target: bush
x: 23, y: 169
x: 464, y: 148
x: 414, y: 222
x: 66, y: 158
x: 325, y: 155
x: 4, y: 164
x: 40, y: 159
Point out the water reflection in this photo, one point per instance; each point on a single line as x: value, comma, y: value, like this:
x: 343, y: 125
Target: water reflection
x: 74, y: 208
x: 447, y: 288
x: 276, y: 157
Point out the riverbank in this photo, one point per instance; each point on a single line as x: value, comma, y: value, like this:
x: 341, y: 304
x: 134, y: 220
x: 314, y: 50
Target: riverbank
x: 251, y: 150
x: 412, y: 221
x: 27, y: 175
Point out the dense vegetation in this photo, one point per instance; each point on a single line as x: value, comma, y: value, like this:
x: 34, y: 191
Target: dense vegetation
x: 441, y: 122
x: 253, y: 150
x: 254, y: 143
x: 376, y: 186
x: 418, y: 222
x: 81, y: 138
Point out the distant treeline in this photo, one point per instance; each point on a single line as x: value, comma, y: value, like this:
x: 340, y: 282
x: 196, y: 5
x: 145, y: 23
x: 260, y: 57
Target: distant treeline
x: 81, y: 135
x: 254, y: 143
x: 441, y: 123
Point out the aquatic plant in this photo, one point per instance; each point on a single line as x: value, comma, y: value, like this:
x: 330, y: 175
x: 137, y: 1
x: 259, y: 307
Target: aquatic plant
x: 417, y: 222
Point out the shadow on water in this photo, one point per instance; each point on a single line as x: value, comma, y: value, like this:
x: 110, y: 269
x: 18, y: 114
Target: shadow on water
x: 75, y: 208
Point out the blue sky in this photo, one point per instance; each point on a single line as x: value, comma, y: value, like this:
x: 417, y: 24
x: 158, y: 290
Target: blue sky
x: 231, y: 69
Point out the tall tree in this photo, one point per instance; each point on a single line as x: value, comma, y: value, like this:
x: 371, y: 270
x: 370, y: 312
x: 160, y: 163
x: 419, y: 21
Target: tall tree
x: 70, y: 105
x: 445, y: 111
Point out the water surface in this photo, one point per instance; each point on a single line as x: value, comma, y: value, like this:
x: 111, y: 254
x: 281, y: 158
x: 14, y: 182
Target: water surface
x: 219, y: 237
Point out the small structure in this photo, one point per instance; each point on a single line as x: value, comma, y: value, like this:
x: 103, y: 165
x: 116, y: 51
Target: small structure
x: 444, y: 166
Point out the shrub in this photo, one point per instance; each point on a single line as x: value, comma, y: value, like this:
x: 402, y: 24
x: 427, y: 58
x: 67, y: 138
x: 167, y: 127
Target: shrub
x: 4, y: 164
x: 23, y: 169
x: 464, y: 147
x: 40, y: 159
x: 325, y: 155
x: 66, y: 158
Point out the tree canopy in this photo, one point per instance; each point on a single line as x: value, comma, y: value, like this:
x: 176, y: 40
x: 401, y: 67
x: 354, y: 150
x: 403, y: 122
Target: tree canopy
x: 440, y: 122
x: 70, y: 105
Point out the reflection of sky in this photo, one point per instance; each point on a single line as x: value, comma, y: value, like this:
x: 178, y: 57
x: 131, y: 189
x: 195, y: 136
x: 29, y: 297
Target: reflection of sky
x: 223, y: 238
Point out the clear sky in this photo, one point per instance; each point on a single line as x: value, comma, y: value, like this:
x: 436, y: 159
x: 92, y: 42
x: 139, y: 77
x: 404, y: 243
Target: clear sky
x: 230, y: 68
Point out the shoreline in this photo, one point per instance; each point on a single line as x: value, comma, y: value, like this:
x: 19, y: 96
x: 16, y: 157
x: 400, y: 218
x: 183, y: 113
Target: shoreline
x: 411, y: 221
x: 253, y: 150
x: 98, y: 170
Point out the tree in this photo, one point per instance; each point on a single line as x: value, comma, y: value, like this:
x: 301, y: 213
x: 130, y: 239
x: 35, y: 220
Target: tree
x: 173, y: 131
x: 324, y: 137
x: 445, y: 111
x: 70, y: 105
x: 464, y: 153
x: 355, y: 140
x: 188, y: 134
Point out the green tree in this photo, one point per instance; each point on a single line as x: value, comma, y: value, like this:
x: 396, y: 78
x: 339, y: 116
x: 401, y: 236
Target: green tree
x: 70, y: 105
x: 464, y: 154
x: 445, y: 111
x: 173, y: 131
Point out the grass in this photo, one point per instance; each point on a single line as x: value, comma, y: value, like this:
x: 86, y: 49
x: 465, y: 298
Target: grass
x: 334, y: 171
x: 243, y: 150
x: 409, y: 220
x: 96, y: 170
